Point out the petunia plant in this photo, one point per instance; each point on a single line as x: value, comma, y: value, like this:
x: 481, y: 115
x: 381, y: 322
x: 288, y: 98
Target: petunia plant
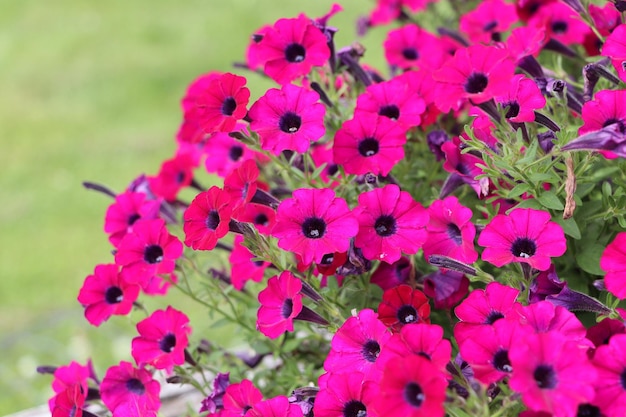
x: 442, y: 237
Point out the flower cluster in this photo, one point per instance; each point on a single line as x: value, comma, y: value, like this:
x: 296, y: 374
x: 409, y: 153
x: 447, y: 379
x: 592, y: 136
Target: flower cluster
x: 445, y: 239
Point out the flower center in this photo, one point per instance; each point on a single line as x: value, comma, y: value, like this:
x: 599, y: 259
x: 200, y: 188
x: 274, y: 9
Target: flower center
x: 414, y: 395
x: 287, y: 308
x: 228, y: 106
x: 493, y: 317
x: 623, y: 378
x: 235, y: 153
x: 261, y: 219
x: 212, y: 220
x: 328, y: 259
x: 385, y: 225
x: 113, y: 295
x: 476, y: 83
x: 314, y: 227
x: 512, y: 110
x: 545, y: 377
x: 133, y: 218
x: 391, y: 111
x: 354, y: 408
x: 620, y: 124
x: 559, y: 27
x: 588, y: 410
x: 135, y: 386
x: 168, y: 343
x: 370, y: 351
x: 490, y: 26
x: 407, y: 314
x: 153, y: 254
x: 332, y: 169
x: 295, y: 52
x: 454, y: 233
x: 523, y: 248
x: 410, y: 54
x: 368, y: 147
x: 501, y: 361
x: 290, y: 122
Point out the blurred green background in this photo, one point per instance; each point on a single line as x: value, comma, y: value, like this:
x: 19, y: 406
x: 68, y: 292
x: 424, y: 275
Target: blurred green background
x: 90, y: 90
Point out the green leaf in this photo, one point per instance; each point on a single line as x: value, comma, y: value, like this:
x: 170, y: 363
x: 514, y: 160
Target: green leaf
x: 518, y: 190
x: 542, y: 177
x: 570, y: 227
x: 602, y: 173
x: 584, y: 189
x: 530, y: 203
x: 589, y: 259
x: 549, y: 200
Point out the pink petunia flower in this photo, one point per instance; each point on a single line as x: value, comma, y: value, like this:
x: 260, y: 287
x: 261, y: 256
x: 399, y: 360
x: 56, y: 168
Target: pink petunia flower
x: 369, y: 143
x: 221, y: 104
x: 413, y: 387
x: 465, y: 165
x: 128, y: 391
x: 606, y: 108
x: 525, y: 235
x: 275, y: 407
x: 261, y: 216
x: 390, y: 222
x: 207, y: 219
x: 107, y: 293
x: 241, y: 185
x: 411, y: 47
x: 403, y: 305
x: 243, y: 268
x: 162, y: 339
x: 613, y: 261
x: 174, y: 175
x: 551, y: 373
x: 450, y: 231
x: 224, y: 153
x: 345, y: 395
x: 521, y: 99
x: 148, y: 251
x: 357, y: 344
x: 68, y: 402
x: 387, y: 276
x: 544, y: 317
x: 127, y: 209
x: 477, y: 73
x: 615, y: 48
x: 240, y: 397
x: 610, y: 361
x: 288, y: 119
x: 290, y: 48
x: 280, y: 302
x: 562, y: 23
x: 313, y: 223
x: 487, y: 22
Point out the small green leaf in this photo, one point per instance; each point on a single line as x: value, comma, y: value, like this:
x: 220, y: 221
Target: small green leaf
x: 549, y: 200
x: 518, y: 190
x: 570, y: 227
x: 530, y: 203
x: 542, y: 177
x: 589, y: 259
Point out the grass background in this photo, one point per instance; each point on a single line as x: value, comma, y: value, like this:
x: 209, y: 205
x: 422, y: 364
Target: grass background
x: 90, y: 91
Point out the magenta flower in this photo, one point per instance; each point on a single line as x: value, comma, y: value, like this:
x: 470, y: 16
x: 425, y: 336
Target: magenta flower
x: 128, y: 391
x: 413, y: 387
x: 162, y: 339
x: 68, y: 402
x: 610, y: 361
x: 127, y: 209
x: 288, y: 119
x: 291, y: 48
x: 207, y: 219
x: 239, y: 398
x: 281, y: 302
x: 613, y: 261
x: 465, y: 165
x: 546, y: 317
x: 387, y: 276
x: 390, y: 222
x: 357, y: 344
x: 241, y: 185
x: 313, y: 223
x: 552, y: 373
x: 275, y: 407
x: 107, y: 293
x: 243, y: 268
x: 525, y: 235
x: 174, y: 175
x: 221, y: 104
x: 521, y: 99
x: 411, y: 47
x: 608, y: 107
x: 477, y: 73
x: 487, y: 22
x: 345, y: 395
x: 392, y: 99
x: 148, y: 251
x: 450, y: 231
x: 446, y: 288
x: 562, y: 22
x: 615, y: 48
x: 369, y: 143
x: 262, y: 217
x: 224, y: 153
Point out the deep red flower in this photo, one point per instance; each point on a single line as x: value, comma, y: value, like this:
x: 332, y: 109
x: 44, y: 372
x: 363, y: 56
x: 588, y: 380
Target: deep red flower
x: 280, y: 302
x: 127, y: 209
x: 162, y: 339
x: 450, y: 231
x: 207, y: 219
x: 148, y: 251
x: 403, y: 305
x: 174, y: 175
x: 219, y: 106
x: 413, y: 387
x: 128, y: 391
x: 477, y: 73
x: 241, y: 185
x: 390, y: 222
x: 288, y: 119
x: 411, y: 47
x: 487, y: 22
x: 525, y: 235
x: 313, y: 223
x: 291, y: 48
x: 106, y: 293
x: 242, y: 267
x: 69, y: 402
x: 369, y: 143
